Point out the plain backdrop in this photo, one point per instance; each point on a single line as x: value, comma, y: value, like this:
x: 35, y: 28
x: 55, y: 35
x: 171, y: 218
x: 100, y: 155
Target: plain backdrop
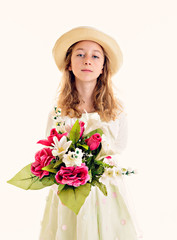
x: 146, y: 32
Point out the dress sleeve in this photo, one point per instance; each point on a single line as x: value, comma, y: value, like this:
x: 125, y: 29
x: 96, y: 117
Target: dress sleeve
x: 122, y: 136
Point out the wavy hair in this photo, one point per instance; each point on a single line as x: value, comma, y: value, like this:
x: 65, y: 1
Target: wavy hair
x: 104, y: 101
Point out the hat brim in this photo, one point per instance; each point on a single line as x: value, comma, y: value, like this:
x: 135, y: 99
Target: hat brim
x: 109, y: 45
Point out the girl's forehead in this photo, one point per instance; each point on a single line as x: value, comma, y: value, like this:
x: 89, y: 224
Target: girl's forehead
x: 87, y: 44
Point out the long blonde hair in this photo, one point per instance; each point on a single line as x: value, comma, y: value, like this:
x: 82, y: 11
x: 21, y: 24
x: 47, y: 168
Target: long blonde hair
x: 104, y: 101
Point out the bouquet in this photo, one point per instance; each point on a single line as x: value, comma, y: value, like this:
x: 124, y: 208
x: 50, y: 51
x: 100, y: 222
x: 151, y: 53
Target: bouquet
x: 71, y: 159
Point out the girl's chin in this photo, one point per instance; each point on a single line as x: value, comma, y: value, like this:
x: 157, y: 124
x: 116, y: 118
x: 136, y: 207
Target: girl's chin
x: 85, y: 80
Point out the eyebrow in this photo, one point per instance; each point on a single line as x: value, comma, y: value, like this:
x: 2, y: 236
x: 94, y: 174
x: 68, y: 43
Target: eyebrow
x: 93, y: 50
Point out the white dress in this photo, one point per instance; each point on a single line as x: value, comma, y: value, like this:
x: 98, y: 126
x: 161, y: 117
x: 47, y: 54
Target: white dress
x: 101, y: 217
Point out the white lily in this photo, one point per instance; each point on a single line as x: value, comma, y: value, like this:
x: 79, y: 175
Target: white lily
x: 60, y: 147
x: 73, y: 158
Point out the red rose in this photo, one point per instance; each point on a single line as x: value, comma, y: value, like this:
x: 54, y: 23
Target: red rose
x: 94, y: 141
x: 42, y: 159
x: 73, y: 176
x: 53, y: 133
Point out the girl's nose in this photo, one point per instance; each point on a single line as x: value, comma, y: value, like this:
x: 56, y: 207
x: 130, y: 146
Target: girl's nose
x: 87, y: 60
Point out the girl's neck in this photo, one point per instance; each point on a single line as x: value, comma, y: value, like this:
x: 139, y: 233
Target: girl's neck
x: 85, y: 91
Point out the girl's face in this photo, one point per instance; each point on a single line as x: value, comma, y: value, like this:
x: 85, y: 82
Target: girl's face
x: 87, y: 61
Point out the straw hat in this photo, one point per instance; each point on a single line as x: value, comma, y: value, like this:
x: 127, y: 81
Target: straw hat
x: 87, y: 33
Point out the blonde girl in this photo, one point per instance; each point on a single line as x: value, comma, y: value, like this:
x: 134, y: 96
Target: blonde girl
x: 88, y: 58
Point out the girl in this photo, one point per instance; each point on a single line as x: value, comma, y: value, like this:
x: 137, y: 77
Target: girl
x: 88, y: 58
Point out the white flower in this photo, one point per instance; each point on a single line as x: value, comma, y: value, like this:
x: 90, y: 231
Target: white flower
x: 60, y: 147
x: 57, y: 118
x: 124, y: 170
x: 78, y: 153
x: 57, y: 111
x: 117, y: 172
x: 109, y: 160
x: 107, y: 176
x: 103, y: 179
x: 60, y: 127
x: 111, y: 175
x: 73, y: 158
x: 116, y: 175
x: 89, y: 154
x: 109, y: 172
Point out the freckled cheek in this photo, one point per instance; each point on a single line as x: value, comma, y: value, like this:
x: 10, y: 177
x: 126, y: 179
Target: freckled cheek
x: 77, y: 63
x: 99, y: 67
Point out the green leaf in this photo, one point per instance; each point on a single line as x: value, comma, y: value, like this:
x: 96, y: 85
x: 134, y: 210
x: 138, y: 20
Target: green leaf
x: 90, y: 174
x: 60, y: 187
x: 83, y: 145
x: 98, y: 130
x: 89, y: 161
x: 100, y: 185
x: 75, y: 132
x: 99, y: 162
x: 48, y: 180
x: 102, y: 163
x: 74, y: 197
x: 96, y: 151
x: 57, y: 164
x: 26, y: 180
x: 50, y: 168
x: 99, y: 170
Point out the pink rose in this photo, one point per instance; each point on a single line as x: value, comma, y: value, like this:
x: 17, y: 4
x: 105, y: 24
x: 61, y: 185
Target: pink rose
x: 81, y: 127
x: 42, y: 159
x: 73, y: 176
x: 94, y: 141
x: 53, y: 133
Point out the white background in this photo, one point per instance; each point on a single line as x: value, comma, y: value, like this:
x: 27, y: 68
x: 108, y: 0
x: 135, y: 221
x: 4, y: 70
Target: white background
x: 146, y: 32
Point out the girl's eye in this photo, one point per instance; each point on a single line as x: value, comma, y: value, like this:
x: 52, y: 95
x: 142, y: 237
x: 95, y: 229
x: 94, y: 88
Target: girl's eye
x: 80, y: 55
x: 95, y: 56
